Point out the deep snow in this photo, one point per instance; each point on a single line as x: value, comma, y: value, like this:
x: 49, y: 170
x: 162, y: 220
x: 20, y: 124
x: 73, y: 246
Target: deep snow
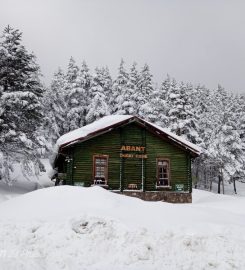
x: 21, y: 185
x: 90, y: 228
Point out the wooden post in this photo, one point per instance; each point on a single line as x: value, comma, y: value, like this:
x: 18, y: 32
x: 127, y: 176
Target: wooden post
x: 121, y: 162
x: 142, y: 175
x: 189, y: 173
x: 72, y: 165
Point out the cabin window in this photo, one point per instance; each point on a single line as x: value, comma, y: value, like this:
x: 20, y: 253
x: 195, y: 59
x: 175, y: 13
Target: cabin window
x: 100, y: 170
x: 163, y: 172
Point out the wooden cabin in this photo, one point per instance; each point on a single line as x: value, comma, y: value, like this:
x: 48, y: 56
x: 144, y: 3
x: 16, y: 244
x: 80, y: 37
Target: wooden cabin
x: 128, y: 155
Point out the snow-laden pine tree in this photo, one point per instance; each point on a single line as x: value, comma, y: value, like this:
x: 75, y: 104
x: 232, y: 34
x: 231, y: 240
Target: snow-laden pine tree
x: 85, y: 80
x: 21, y: 107
x: 76, y: 96
x: 189, y: 126
x: 98, y: 106
x: 128, y: 100
x: 119, y: 98
x: 217, y: 105
x: 202, y: 102
x: 182, y: 112
x: 175, y: 102
x: 226, y: 146
x: 156, y: 108
x: 144, y: 89
x: 106, y: 83
x: 240, y: 116
x: 55, y: 104
x: 164, y: 89
x: 240, y: 120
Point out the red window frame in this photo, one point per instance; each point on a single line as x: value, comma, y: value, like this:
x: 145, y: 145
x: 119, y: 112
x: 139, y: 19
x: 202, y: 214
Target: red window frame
x: 163, y: 174
x: 100, y: 170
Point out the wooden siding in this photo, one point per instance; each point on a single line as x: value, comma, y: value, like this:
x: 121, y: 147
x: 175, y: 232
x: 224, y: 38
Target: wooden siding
x: 156, y: 148
x: 107, y: 144
x: 129, y: 170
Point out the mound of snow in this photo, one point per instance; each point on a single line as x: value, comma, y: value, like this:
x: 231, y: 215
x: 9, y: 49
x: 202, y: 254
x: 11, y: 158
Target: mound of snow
x: 90, y: 228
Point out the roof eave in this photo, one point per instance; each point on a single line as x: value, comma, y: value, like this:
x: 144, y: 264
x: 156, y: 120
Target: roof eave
x: 99, y: 132
x: 155, y: 130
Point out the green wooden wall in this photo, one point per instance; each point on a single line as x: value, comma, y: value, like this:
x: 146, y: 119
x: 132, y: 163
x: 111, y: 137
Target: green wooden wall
x: 129, y: 170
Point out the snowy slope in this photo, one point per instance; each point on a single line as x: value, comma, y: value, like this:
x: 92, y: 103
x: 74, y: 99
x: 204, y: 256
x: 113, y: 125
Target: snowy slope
x: 90, y: 228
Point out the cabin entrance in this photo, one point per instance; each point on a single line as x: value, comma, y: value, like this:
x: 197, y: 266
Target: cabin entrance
x: 133, y: 174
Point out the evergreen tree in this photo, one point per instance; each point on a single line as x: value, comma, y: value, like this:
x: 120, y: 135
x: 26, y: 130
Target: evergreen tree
x: 164, y: 90
x: 175, y: 103
x: 144, y: 89
x: 202, y: 100
x: 78, y: 95
x: 120, y: 91
x: 155, y: 110
x: 106, y: 83
x: 21, y: 107
x: 85, y: 80
x: 240, y: 116
x: 128, y: 102
x: 98, y: 106
x: 55, y: 107
x: 226, y: 145
x: 74, y: 96
x: 182, y: 112
x: 189, y: 128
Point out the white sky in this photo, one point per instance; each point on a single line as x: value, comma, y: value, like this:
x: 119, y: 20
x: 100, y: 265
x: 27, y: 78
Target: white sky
x: 199, y: 41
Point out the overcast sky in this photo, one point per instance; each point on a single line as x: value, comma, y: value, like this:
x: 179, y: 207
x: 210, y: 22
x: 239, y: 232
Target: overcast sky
x: 198, y: 41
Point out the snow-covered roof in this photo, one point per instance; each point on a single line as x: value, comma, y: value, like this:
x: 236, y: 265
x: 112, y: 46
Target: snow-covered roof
x: 80, y: 133
x: 177, y: 138
x: 106, y: 123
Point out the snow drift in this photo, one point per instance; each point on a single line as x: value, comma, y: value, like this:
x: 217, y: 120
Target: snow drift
x: 90, y: 228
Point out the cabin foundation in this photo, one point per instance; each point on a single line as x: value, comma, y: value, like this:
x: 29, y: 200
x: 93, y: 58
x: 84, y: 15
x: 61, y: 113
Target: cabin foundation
x: 164, y: 196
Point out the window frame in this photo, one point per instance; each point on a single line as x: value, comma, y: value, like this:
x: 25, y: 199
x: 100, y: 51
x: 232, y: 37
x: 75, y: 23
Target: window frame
x: 106, y: 157
x: 157, y: 173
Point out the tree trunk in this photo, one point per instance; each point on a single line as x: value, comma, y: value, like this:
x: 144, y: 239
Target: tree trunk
x: 223, y: 187
x: 234, y: 184
x: 219, y: 183
x: 196, y: 175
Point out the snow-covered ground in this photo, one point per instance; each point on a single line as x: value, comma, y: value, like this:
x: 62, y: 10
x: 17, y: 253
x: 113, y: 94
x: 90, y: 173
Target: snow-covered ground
x: 21, y: 185
x: 90, y: 228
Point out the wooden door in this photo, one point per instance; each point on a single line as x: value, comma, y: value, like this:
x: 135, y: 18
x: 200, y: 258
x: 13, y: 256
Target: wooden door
x: 133, y: 174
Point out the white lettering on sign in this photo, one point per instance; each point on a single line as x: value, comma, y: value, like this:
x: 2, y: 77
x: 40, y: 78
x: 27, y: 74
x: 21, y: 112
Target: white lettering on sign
x: 133, y: 156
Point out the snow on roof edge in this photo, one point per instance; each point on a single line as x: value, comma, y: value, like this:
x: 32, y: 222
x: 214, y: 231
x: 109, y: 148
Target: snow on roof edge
x: 84, y: 131
x: 178, y: 139
x: 110, y: 120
